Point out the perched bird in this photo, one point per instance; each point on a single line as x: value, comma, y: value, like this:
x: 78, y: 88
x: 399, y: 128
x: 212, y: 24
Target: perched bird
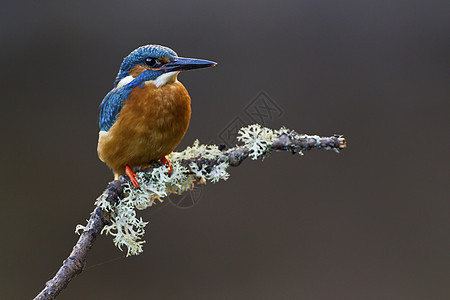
x: 145, y: 116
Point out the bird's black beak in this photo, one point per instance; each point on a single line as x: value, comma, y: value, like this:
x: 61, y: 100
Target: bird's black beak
x: 183, y: 64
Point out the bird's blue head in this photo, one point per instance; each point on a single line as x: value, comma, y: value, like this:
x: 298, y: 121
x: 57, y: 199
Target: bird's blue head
x: 153, y: 62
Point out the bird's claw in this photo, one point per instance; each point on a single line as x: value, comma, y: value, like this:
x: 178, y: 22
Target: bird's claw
x: 165, y: 161
x: 132, y: 176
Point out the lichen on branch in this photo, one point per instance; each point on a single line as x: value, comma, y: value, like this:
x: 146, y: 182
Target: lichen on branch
x: 197, y: 164
x: 115, y: 213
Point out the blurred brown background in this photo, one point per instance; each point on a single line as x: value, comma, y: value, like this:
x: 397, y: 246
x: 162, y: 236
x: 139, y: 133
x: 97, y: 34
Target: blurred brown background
x: 369, y: 223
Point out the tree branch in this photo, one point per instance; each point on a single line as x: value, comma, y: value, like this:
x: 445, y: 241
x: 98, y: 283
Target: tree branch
x: 75, y: 263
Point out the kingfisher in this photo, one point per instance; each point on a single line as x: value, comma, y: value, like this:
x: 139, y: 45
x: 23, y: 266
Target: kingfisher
x: 146, y: 114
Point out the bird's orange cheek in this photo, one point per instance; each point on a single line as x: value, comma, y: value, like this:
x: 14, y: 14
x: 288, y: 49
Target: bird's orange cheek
x: 137, y: 70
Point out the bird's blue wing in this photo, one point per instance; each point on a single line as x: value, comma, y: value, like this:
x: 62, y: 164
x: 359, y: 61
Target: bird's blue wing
x: 111, y: 106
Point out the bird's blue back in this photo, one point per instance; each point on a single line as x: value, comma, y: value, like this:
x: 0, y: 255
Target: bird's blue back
x: 111, y: 106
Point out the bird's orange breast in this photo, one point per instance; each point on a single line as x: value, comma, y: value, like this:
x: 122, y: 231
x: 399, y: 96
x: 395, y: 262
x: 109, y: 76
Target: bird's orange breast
x: 150, y: 125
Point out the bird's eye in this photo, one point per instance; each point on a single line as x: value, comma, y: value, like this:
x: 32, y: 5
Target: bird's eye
x: 152, y: 62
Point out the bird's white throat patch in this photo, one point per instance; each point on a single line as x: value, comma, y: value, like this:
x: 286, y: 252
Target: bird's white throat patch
x: 165, y: 78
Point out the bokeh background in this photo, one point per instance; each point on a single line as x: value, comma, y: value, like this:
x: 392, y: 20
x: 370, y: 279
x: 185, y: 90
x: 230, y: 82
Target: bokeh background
x: 369, y: 223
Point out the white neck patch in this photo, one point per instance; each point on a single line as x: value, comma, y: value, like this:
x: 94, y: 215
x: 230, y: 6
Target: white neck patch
x: 125, y: 81
x: 165, y: 78
x: 161, y: 80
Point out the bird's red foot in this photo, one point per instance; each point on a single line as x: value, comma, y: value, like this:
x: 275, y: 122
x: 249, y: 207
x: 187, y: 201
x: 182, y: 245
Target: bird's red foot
x: 132, y: 176
x: 165, y: 161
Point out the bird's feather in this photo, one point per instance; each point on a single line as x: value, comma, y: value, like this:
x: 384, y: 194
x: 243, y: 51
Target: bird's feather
x: 111, y: 106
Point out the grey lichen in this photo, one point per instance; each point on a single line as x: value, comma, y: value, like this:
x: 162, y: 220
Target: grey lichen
x: 258, y: 139
x: 156, y: 184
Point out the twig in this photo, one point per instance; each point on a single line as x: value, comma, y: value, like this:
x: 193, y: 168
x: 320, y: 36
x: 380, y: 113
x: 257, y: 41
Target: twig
x: 75, y: 263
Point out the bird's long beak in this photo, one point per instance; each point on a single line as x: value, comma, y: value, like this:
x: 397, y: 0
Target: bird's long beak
x: 183, y: 64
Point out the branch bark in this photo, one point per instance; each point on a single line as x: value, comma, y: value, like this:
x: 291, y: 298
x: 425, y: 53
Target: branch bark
x: 76, y: 261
